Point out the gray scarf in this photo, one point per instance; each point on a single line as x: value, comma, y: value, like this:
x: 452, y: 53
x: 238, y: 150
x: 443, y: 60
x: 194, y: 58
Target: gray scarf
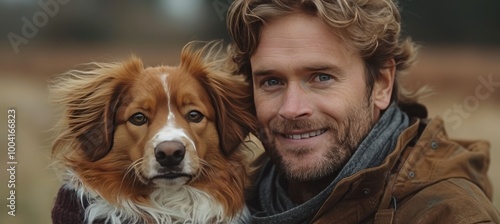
x: 273, y: 204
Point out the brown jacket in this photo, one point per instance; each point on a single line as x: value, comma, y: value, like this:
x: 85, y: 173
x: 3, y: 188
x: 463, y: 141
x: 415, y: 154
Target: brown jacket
x: 428, y: 178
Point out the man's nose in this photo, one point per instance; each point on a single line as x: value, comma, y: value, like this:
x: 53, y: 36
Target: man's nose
x: 296, y: 103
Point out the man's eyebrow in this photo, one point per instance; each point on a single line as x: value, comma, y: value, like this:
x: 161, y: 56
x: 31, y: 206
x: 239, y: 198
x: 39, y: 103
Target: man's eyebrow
x: 263, y: 72
x: 311, y: 68
x: 315, y: 68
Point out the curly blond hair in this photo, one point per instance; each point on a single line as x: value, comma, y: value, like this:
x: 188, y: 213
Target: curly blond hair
x: 370, y: 27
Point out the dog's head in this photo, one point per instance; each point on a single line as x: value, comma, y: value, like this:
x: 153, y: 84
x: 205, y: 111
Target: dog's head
x: 160, y: 126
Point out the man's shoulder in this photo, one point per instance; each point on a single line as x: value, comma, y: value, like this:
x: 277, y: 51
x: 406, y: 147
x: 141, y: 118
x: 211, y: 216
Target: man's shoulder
x: 434, y: 157
x: 440, y: 178
x: 454, y: 200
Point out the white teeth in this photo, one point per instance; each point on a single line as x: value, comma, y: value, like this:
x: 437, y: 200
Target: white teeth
x: 305, y: 135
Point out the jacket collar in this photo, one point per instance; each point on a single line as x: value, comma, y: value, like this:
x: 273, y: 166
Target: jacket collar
x: 370, y: 182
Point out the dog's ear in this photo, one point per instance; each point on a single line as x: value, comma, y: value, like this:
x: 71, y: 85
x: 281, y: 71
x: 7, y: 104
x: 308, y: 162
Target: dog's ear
x: 233, y: 103
x: 90, y: 99
x: 230, y: 94
x: 95, y: 123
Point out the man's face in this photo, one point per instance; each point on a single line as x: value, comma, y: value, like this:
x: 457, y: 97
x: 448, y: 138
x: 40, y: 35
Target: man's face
x: 311, y: 97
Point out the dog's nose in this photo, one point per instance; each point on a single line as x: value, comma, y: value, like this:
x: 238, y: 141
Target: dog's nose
x: 170, y: 153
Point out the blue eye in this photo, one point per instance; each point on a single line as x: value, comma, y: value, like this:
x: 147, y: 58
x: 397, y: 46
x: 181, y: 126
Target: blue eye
x: 271, y: 82
x: 323, y: 77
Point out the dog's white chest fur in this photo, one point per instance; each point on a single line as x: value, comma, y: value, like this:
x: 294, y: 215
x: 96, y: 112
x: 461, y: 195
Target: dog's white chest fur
x: 182, y: 205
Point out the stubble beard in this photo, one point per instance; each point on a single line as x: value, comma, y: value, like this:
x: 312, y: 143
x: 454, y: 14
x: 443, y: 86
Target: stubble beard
x: 345, y: 136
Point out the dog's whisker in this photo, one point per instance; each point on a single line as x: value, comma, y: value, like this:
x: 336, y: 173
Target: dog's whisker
x: 206, y: 168
x: 132, y: 170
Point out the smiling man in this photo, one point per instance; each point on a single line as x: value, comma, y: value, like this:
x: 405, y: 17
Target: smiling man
x: 346, y: 142
x: 325, y: 109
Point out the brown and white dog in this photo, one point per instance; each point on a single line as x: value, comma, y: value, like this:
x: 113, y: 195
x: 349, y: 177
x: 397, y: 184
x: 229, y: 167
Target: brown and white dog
x: 156, y: 145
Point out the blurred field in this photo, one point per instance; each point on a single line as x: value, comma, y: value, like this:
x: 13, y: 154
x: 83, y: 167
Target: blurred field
x: 453, y: 73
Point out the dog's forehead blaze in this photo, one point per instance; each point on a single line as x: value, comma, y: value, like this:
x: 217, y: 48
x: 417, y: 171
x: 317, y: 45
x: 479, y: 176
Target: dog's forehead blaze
x: 151, y: 82
x: 186, y: 91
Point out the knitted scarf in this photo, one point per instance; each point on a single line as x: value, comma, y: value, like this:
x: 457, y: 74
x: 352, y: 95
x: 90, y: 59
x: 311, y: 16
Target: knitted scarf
x: 273, y: 204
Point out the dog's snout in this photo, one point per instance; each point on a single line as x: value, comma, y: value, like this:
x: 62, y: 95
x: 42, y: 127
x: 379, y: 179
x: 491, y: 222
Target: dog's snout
x: 170, y: 153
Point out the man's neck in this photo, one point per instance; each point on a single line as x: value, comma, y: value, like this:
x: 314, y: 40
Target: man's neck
x: 302, y: 191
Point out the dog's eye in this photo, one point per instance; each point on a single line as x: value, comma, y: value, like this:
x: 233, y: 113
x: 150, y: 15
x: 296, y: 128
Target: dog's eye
x: 138, y: 119
x: 195, y: 116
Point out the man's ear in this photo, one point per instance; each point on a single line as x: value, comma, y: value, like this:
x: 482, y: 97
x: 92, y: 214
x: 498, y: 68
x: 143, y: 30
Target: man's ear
x: 384, y: 85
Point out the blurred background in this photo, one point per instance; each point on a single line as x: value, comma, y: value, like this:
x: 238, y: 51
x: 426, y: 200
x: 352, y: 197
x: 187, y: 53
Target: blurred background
x: 460, y: 42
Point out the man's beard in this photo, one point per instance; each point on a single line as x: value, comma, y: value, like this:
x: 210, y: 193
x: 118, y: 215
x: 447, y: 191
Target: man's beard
x: 345, y: 137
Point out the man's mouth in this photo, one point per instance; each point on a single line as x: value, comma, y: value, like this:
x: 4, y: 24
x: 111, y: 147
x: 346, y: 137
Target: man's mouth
x: 305, y: 135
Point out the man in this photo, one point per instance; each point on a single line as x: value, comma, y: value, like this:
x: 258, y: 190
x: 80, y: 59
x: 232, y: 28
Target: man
x: 347, y: 143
